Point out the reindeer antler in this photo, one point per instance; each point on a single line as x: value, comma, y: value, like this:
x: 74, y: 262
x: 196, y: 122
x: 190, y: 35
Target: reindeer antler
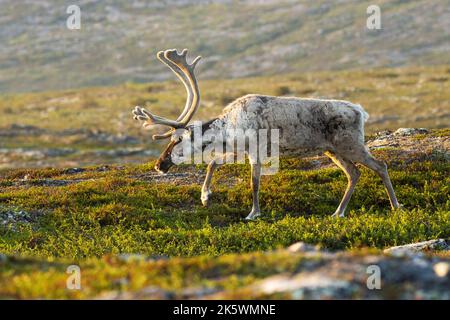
x: 179, y: 73
x: 150, y: 119
x: 185, y: 72
x: 188, y: 70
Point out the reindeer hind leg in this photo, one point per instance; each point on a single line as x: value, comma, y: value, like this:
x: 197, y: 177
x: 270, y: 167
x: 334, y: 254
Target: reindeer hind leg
x: 255, y: 181
x: 352, y: 173
x: 380, y: 168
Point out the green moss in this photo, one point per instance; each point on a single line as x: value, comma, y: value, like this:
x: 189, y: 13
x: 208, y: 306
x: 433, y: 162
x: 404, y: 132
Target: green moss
x: 118, y: 211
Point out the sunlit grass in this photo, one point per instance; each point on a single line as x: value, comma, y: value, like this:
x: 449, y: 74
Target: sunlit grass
x: 114, y: 211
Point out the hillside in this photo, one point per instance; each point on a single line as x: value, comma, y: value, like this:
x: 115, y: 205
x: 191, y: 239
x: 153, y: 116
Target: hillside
x: 118, y: 40
x: 136, y: 234
x: 94, y: 126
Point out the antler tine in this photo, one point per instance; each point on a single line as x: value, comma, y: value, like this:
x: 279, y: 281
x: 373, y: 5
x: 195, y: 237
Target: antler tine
x: 163, y: 135
x: 179, y: 59
x: 184, y: 55
x: 150, y: 119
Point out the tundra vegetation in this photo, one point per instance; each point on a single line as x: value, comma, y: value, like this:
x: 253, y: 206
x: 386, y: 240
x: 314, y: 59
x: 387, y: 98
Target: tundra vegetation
x: 129, y: 228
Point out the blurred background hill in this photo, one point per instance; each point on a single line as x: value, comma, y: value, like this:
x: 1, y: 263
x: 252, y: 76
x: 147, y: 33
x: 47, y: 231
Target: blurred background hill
x: 119, y: 39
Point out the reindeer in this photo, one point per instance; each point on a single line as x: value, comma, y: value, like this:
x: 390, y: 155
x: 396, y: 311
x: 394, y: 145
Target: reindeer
x: 307, y: 127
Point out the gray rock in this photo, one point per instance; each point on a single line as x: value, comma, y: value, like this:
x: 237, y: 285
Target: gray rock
x: 414, y: 248
x: 130, y: 257
x: 74, y: 170
x: 307, y: 286
x: 409, y: 131
x: 11, y: 217
x: 302, y: 247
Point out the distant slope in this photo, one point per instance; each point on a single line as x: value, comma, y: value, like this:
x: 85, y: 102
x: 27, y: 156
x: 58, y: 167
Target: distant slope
x: 118, y: 41
x: 94, y: 125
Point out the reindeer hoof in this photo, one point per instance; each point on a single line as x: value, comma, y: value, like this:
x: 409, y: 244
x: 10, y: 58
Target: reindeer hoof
x: 337, y: 215
x: 205, y: 199
x: 205, y: 202
x: 252, y: 216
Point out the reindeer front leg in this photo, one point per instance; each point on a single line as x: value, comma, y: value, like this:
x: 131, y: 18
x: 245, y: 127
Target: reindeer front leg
x: 256, y: 175
x: 206, y: 189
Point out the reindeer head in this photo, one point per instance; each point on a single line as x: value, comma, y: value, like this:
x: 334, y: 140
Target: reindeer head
x: 179, y: 128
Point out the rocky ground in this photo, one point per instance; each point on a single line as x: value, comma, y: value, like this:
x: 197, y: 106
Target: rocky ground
x: 337, y: 275
x: 410, y: 140
x: 341, y: 275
